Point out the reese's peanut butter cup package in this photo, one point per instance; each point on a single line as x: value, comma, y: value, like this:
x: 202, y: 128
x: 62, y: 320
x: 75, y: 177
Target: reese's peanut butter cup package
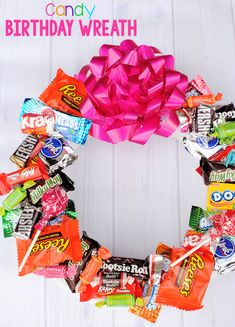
x: 55, y: 245
x: 185, y: 284
x: 65, y: 94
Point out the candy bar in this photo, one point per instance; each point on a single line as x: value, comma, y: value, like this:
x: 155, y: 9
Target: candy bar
x: 55, y: 245
x: 24, y: 151
x: 58, y: 178
x: 213, y: 172
x: 8, y: 181
x: 57, y: 154
x: 184, y: 285
x: 38, y: 124
x: 202, y: 120
x: 89, y: 248
x: 224, y: 114
x: 29, y: 216
x: 72, y: 128
x: 65, y: 93
x: 221, y: 196
x: 134, y: 267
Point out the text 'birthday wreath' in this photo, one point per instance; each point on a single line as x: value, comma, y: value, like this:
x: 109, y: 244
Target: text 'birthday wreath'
x: 128, y: 92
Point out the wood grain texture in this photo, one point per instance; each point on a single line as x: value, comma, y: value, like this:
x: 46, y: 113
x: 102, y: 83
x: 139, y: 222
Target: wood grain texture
x: 129, y: 197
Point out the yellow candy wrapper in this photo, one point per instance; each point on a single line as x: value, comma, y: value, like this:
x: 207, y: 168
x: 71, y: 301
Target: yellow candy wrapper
x: 221, y: 196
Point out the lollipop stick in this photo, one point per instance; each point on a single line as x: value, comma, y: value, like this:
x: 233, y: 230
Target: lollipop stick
x: 187, y: 254
x: 27, y: 254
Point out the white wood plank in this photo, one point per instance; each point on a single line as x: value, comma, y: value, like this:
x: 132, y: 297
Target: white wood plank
x: 146, y: 177
x: 93, y: 173
x: 204, y: 44
x: 24, y: 68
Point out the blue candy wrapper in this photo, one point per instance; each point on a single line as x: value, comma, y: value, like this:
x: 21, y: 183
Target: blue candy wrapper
x: 74, y: 129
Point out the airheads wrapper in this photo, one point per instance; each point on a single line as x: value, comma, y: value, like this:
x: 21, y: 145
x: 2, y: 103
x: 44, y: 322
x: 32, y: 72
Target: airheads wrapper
x: 221, y: 196
x: 74, y: 129
x: 65, y: 93
x: 185, y: 284
x: 55, y: 244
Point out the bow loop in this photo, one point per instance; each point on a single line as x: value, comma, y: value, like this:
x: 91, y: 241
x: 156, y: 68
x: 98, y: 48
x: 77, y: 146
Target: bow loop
x: 133, y: 93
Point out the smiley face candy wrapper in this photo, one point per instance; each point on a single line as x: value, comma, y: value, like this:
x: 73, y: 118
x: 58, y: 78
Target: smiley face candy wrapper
x: 185, y: 284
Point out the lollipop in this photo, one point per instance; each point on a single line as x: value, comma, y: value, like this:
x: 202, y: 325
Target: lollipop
x: 54, y: 201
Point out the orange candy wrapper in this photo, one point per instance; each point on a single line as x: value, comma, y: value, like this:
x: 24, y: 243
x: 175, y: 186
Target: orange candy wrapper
x: 185, y: 284
x: 56, y: 244
x: 65, y: 94
x: 143, y: 312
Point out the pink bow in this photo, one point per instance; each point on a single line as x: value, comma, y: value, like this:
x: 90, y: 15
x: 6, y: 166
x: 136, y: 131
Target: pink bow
x: 133, y: 92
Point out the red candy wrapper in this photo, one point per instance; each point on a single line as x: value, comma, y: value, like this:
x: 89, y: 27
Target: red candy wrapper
x: 54, y: 201
x: 219, y: 157
x: 193, y: 238
x: 55, y: 245
x: 65, y: 94
x: 61, y: 271
x: 185, y: 284
x: 38, y: 124
x: 98, y: 291
x: 35, y: 172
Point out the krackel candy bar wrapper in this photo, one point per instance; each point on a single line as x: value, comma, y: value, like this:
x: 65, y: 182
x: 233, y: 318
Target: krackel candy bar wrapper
x: 55, y: 245
x: 73, y: 128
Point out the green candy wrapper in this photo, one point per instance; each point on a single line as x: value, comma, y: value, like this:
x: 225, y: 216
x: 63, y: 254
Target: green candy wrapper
x: 70, y: 210
x: 200, y: 220
x: 9, y: 221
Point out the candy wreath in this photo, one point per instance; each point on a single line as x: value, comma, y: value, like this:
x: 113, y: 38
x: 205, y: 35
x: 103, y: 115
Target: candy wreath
x: 127, y: 92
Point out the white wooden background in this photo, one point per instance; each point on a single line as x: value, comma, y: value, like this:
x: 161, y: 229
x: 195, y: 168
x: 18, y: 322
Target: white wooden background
x: 129, y: 197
